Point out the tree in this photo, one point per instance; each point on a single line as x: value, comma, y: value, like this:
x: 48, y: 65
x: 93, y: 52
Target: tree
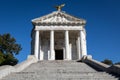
x: 2, y: 59
x: 107, y: 61
x: 8, y: 48
x: 118, y: 63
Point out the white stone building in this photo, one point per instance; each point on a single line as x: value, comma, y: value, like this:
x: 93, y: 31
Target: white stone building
x: 58, y: 36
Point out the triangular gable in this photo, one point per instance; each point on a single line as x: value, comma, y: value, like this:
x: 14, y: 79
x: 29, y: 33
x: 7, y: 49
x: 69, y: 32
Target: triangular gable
x: 58, y: 17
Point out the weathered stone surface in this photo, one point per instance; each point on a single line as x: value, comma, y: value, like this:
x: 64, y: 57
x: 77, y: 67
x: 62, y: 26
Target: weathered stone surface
x: 59, y: 70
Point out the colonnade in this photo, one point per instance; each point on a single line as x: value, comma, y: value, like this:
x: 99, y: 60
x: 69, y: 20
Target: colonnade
x: 81, y: 45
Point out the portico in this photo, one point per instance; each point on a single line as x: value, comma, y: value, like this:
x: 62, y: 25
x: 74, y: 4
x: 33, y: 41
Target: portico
x: 58, y: 36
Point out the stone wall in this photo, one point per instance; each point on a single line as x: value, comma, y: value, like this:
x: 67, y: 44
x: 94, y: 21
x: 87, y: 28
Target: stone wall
x: 96, y: 64
x: 6, y: 70
x: 115, y: 69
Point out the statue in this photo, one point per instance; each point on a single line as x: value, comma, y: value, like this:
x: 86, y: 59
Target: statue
x: 59, y: 7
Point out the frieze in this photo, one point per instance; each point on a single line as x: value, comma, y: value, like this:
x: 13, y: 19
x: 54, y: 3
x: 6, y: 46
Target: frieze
x: 58, y: 27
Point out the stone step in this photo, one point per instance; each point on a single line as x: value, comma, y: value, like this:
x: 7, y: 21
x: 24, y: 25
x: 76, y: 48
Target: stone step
x: 61, y: 65
x: 59, y: 70
x: 58, y: 78
x: 35, y: 75
x: 62, y: 75
x: 65, y: 72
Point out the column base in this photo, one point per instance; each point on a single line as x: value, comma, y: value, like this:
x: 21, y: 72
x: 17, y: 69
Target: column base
x: 51, y: 59
x: 67, y: 59
x: 87, y: 56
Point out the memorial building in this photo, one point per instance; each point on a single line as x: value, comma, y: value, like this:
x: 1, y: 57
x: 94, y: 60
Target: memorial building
x: 59, y: 52
x: 58, y: 36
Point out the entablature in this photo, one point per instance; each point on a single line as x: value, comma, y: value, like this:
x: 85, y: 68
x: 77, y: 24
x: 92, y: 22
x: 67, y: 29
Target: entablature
x: 59, y: 28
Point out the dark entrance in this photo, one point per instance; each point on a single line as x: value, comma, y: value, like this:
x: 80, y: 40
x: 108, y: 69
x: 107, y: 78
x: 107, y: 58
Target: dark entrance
x: 59, y: 54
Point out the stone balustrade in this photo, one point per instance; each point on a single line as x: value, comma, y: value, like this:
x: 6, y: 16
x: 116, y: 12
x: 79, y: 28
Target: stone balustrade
x: 101, y: 66
x: 19, y: 67
x: 95, y: 64
x: 114, y: 69
x: 6, y: 70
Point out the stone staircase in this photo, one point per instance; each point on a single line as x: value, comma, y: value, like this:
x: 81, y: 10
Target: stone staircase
x: 59, y: 70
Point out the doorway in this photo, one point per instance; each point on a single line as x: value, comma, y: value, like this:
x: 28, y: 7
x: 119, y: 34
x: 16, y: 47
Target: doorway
x: 59, y: 54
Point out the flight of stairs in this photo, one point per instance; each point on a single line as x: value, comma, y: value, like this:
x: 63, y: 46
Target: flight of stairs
x: 59, y: 70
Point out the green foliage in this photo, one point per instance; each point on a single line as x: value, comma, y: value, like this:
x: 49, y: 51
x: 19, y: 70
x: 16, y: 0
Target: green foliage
x: 107, y: 61
x: 10, y: 60
x: 8, y: 48
x: 118, y: 63
x: 2, y: 59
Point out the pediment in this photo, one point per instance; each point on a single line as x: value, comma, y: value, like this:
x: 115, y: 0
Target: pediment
x: 58, y: 17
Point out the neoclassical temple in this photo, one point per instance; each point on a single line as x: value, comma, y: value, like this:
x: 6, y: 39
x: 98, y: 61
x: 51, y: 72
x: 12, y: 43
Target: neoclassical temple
x: 58, y: 36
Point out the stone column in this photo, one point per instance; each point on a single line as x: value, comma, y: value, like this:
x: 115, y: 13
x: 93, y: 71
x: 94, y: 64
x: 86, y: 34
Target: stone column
x: 40, y: 50
x: 78, y: 47
x: 70, y: 51
x: 83, y: 43
x: 67, y: 45
x: 52, y: 53
x: 36, y: 48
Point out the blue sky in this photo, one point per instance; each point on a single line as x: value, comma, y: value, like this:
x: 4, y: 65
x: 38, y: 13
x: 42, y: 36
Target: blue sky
x: 102, y: 16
